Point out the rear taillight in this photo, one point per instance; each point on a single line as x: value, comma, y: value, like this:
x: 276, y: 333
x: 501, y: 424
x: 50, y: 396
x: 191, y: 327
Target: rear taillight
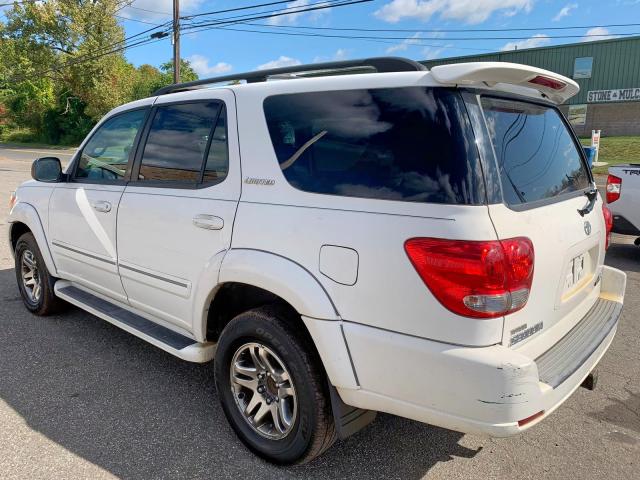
x: 614, y: 186
x: 608, y: 222
x: 475, y: 279
x: 548, y: 82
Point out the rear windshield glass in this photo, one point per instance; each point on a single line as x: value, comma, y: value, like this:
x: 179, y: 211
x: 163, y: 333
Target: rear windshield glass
x: 411, y: 144
x: 537, y: 157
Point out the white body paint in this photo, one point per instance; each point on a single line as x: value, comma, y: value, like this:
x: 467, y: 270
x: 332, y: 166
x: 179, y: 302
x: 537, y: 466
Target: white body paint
x: 385, y: 341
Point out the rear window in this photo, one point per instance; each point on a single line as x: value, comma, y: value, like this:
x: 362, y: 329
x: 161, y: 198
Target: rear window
x: 411, y: 144
x: 537, y: 156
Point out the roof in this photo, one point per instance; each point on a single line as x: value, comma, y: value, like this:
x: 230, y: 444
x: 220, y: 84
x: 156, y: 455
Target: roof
x: 553, y: 86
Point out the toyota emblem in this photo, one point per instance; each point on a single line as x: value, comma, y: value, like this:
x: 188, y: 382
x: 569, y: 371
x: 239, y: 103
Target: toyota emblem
x: 587, y: 228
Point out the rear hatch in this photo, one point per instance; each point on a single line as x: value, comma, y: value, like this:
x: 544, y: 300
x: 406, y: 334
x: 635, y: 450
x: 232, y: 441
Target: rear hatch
x: 544, y: 181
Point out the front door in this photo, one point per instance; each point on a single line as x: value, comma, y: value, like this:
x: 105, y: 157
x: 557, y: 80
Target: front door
x: 177, y: 212
x: 83, y: 211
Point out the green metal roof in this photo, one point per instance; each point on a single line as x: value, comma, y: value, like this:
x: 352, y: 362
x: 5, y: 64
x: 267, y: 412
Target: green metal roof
x: 616, y: 62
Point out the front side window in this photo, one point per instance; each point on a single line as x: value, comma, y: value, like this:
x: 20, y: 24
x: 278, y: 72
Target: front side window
x: 537, y: 156
x: 178, y: 140
x: 106, y: 154
x: 411, y: 144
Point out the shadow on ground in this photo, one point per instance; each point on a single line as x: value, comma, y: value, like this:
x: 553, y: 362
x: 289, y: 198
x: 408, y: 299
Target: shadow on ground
x: 622, y: 412
x: 624, y: 256
x: 140, y: 413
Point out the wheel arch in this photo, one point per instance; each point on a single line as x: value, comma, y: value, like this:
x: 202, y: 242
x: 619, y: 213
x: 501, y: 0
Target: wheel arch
x: 24, y: 218
x: 252, y: 278
x: 282, y: 277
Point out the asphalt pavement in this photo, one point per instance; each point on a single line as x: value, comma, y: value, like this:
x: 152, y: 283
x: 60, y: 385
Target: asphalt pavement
x: 80, y: 399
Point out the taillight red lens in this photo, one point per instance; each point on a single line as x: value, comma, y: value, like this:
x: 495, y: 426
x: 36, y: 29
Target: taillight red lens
x: 485, y: 279
x: 548, y: 82
x: 608, y: 222
x: 614, y: 187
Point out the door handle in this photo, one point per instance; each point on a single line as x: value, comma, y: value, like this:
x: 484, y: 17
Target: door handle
x: 208, y: 222
x: 102, y: 206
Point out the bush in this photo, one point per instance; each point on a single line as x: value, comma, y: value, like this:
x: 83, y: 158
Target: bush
x: 68, y: 125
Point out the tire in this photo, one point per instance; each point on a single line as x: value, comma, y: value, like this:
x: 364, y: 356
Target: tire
x: 43, y: 302
x: 311, y: 429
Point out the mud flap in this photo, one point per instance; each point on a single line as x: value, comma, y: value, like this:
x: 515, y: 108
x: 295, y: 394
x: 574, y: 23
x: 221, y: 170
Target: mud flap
x: 348, y: 419
x: 591, y: 381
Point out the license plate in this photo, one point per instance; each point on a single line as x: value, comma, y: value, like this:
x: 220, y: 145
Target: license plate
x: 577, y: 271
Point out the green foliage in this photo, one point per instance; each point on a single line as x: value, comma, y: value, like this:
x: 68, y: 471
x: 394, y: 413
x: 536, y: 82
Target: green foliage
x: 60, y: 73
x: 187, y: 74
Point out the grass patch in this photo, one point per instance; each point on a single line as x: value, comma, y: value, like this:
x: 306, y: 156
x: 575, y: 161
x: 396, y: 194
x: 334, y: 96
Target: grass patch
x: 614, y: 150
x: 25, y: 137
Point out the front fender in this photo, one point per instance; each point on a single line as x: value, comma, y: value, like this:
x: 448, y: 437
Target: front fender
x: 282, y: 277
x: 27, y: 214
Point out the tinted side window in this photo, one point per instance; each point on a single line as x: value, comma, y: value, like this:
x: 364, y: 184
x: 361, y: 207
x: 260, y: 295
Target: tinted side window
x: 217, y: 165
x: 106, y: 154
x: 412, y: 144
x: 537, y: 157
x: 177, y: 142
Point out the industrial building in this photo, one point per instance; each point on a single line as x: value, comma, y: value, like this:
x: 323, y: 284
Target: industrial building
x: 608, y: 72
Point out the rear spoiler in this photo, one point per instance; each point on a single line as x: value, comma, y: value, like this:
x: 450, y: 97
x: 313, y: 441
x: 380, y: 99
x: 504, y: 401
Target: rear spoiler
x: 552, y: 85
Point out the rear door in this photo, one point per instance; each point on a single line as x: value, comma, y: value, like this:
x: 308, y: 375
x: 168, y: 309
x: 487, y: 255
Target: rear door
x: 544, y: 180
x: 177, y: 212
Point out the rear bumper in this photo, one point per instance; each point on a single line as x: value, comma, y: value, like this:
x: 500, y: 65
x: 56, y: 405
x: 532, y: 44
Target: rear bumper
x: 624, y: 226
x: 479, y: 390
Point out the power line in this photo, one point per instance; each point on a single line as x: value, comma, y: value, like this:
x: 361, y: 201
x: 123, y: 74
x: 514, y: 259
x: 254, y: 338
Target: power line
x: 275, y: 12
x: 82, y: 60
x: 465, y: 30
x: 235, y: 9
x: 365, y: 37
x: 138, y: 20
x: 147, y: 10
x: 124, y: 46
x: 413, y: 41
x: 280, y: 12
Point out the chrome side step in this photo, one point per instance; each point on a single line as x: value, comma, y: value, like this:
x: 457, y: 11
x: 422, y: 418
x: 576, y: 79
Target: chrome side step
x: 172, y: 342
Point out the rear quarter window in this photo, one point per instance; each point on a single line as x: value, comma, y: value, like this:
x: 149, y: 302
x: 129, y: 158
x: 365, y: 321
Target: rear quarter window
x: 537, y: 156
x: 411, y: 144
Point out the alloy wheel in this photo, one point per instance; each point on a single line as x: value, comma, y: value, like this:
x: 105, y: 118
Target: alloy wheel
x: 31, y: 280
x: 263, y: 390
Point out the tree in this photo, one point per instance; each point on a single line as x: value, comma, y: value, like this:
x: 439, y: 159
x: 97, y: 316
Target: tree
x: 187, y: 74
x: 54, y: 65
x: 149, y: 78
x: 62, y: 67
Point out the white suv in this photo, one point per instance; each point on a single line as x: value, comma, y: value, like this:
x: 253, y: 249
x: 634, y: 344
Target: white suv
x: 354, y: 237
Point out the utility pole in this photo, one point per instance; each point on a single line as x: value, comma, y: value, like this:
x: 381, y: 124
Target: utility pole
x: 176, y: 41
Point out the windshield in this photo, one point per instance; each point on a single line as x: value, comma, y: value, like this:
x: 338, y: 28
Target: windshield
x: 537, y: 156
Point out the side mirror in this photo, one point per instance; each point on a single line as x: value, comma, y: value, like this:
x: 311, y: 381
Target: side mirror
x: 47, y: 169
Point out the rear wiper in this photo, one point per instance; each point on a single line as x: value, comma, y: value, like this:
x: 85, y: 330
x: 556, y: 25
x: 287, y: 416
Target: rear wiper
x: 592, y: 195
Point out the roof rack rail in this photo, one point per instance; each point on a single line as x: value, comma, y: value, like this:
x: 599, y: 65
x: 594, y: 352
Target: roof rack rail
x: 379, y: 64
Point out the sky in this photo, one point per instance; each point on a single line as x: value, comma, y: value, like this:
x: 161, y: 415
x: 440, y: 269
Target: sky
x: 219, y: 51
